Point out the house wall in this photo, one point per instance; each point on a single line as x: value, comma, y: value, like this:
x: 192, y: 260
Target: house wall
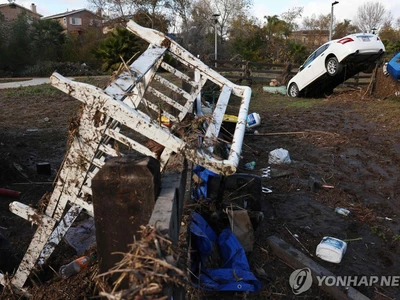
x: 87, y: 20
x: 310, y: 38
x: 11, y: 12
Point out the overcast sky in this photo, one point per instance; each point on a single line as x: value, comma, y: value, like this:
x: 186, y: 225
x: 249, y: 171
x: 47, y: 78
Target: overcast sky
x: 342, y: 10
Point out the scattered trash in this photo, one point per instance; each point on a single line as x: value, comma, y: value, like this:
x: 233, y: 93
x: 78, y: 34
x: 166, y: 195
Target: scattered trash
x: 266, y: 172
x: 250, y: 165
x: 279, y: 156
x: 46, y: 119
x: 165, y: 121
x: 301, y: 244
x: 253, y: 120
x: 331, y: 249
x: 75, y: 266
x: 266, y: 190
x: 32, y: 130
x: 343, y: 211
x: 273, y: 82
x: 82, y: 235
x: 385, y: 218
x: 9, y: 193
x: 275, y: 89
x: 384, y: 69
x: 315, y: 183
x: 43, y: 168
x: 326, y: 186
x: 242, y: 228
x: 20, y: 170
x: 353, y: 240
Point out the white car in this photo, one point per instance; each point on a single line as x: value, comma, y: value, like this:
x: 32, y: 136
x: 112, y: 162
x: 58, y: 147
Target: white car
x: 334, y: 62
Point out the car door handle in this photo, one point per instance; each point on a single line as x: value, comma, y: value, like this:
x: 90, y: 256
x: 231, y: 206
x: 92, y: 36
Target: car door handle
x: 322, y: 54
x: 309, y: 66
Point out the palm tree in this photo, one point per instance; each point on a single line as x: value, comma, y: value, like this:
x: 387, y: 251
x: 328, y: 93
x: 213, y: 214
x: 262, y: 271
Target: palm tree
x: 47, y: 39
x: 121, y: 43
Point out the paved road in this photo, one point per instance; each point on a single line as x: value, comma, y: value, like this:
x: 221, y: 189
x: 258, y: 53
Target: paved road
x: 33, y: 81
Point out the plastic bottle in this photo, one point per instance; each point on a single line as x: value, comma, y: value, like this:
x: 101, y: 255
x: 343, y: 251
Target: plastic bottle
x: 75, y: 266
x: 250, y: 165
x: 253, y: 120
x: 342, y: 211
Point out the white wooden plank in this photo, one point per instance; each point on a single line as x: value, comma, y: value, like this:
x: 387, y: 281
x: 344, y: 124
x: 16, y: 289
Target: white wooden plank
x: 218, y: 115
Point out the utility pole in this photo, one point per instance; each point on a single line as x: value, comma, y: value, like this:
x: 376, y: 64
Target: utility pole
x: 216, y: 37
x: 330, y: 27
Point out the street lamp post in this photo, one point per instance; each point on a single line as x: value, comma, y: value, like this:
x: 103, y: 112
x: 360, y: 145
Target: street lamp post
x: 216, y: 40
x: 330, y: 27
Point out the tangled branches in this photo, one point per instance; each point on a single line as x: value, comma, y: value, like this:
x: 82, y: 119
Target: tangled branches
x: 150, y: 267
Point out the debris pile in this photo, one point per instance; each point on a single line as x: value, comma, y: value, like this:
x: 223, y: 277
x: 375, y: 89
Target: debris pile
x: 148, y: 269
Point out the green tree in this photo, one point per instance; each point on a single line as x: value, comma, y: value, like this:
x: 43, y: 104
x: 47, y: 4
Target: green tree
x: 248, y: 39
x: 80, y: 48
x: 120, y: 43
x: 297, y: 52
x: 276, y: 28
x: 391, y: 38
x: 3, y: 43
x: 47, y: 40
x: 344, y: 28
x: 18, y: 52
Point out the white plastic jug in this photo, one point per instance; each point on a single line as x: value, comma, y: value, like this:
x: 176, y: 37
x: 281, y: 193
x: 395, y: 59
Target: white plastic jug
x: 331, y: 249
x: 253, y: 120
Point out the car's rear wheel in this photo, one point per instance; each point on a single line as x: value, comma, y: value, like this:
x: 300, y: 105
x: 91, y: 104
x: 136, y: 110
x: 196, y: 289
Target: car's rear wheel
x: 293, y: 90
x: 332, y: 66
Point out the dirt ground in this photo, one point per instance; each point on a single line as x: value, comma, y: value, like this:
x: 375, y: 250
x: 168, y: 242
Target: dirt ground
x: 350, y: 141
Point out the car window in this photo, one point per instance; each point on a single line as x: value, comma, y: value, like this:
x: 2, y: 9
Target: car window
x: 321, y: 50
x: 314, y: 55
x: 309, y: 60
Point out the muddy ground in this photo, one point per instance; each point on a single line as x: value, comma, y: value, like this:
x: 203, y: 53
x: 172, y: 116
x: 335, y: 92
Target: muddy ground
x: 350, y: 141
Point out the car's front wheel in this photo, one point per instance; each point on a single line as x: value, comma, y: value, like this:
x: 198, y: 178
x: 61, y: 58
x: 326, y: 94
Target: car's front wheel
x: 293, y: 90
x: 332, y: 66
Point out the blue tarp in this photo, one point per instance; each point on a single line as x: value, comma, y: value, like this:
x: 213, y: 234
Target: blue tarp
x: 235, y: 273
x: 201, y: 192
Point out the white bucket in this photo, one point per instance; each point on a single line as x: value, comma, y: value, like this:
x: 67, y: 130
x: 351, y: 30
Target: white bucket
x: 331, y: 249
x: 253, y: 120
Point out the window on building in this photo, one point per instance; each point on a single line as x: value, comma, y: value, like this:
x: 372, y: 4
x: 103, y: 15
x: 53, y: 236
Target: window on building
x: 76, y: 21
x: 94, y: 23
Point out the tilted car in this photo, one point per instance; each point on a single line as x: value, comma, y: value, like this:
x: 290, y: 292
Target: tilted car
x: 335, y: 62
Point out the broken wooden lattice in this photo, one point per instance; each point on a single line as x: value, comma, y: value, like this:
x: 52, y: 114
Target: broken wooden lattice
x: 134, y: 102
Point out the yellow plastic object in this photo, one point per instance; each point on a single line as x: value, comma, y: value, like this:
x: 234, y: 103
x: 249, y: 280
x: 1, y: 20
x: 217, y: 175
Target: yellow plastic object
x: 230, y: 118
x: 165, y: 121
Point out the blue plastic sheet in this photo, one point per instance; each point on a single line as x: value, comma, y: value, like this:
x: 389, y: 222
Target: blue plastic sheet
x: 201, y: 192
x: 235, y: 274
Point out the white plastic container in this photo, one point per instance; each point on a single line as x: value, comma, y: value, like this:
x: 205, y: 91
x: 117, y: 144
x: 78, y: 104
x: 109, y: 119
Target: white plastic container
x: 331, y: 249
x: 253, y: 120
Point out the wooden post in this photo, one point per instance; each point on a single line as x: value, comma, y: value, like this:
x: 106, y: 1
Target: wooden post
x: 124, y: 194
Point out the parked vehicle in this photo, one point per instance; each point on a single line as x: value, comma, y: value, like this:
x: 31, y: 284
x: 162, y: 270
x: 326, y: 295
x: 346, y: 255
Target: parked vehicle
x: 335, y: 62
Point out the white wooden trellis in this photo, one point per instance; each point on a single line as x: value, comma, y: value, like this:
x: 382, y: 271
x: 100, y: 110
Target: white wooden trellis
x: 126, y: 103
